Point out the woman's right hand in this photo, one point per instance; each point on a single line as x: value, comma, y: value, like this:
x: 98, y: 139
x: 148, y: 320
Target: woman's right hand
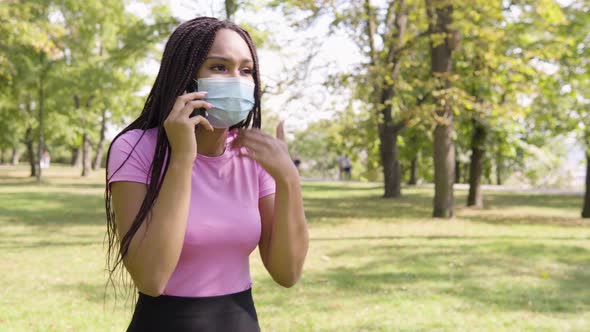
x: 180, y: 127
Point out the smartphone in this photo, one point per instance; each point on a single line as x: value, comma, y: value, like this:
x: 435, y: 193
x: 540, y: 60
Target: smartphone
x: 192, y: 87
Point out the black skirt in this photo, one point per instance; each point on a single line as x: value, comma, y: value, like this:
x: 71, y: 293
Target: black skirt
x: 233, y: 312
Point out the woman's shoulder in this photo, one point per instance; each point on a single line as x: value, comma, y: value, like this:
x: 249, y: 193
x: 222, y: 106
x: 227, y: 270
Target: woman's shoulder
x: 131, y: 154
x: 138, y: 137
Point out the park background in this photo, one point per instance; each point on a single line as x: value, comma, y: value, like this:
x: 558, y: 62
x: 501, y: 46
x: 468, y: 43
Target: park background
x: 467, y: 124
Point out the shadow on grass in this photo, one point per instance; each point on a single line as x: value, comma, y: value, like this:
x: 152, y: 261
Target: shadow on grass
x: 10, y: 181
x: 498, y: 199
x: 319, y: 187
x: 45, y: 244
x: 375, y: 208
x: 77, y: 185
x: 551, y: 220
x: 96, y: 292
x: 66, y: 183
x: 323, y: 203
x: 50, y: 209
x: 534, y: 277
x: 412, y: 238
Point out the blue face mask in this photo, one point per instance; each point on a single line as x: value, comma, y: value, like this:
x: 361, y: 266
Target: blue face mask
x: 232, y: 99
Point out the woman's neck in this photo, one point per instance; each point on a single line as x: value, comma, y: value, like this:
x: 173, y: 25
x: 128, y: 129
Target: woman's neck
x: 210, y: 143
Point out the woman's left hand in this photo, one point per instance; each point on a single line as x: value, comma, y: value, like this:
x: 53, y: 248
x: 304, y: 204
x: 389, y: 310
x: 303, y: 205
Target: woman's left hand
x: 270, y: 152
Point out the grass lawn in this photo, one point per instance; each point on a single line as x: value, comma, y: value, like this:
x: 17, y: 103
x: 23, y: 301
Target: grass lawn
x: 521, y: 264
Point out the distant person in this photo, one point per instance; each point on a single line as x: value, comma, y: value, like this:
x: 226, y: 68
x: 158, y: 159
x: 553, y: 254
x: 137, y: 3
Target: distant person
x: 210, y: 194
x: 346, y: 168
x: 45, y: 160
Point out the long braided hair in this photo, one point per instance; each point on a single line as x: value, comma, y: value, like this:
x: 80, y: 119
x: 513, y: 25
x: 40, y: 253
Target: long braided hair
x: 184, y: 54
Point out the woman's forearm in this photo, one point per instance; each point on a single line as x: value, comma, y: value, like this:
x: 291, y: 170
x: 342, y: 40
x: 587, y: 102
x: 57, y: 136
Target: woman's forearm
x: 157, y: 249
x: 289, y: 239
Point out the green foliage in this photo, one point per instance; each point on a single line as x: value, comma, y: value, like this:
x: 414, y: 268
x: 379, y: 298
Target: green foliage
x: 503, y: 77
x: 349, y: 133
x: 574, y: 73
x: 87, y: 56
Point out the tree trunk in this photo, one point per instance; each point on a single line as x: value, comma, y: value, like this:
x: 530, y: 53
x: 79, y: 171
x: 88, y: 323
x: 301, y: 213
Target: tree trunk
x: 78, y: 161
x: 86, y: 144
x: 413, y: 172
x: 457, y: 170
x: 14, y: 157
x: 475, y: 197
x: 77, y: 156
x: 440, y: 19
x: 96, y: 164
x: 2, y: 156
x: 30, y: 150
x: 499, y: 168
x: 41, y: 144
x: 384, y: 91
x: 74, y: 155
x: 100, y: 146
x: 465, y: 173
x: 586, y: 209
x: 389, y: 158
x: 487, y: 167
x: 444, y: 167
x: 86, y: 155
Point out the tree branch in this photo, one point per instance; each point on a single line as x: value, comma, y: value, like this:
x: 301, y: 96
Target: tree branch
x: 371, y: 29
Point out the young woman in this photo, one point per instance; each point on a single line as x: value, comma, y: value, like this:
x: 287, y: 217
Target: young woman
x: 193, y: 187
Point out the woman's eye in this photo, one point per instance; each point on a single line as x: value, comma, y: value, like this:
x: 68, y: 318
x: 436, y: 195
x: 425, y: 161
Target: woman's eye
x: 247, y: 71
x: 218, y: 67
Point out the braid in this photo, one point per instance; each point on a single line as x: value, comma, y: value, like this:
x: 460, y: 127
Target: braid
x: 256, y: 113
x: 184, y: 54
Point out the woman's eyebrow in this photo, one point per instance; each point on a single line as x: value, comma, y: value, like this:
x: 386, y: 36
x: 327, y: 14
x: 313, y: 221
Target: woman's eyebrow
x: 216, y: 57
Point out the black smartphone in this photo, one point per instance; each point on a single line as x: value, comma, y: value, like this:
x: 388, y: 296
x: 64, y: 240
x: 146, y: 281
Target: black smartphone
x: 192, y: 87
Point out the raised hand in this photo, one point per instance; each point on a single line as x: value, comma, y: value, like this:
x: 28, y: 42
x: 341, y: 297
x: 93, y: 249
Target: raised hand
x: 270, y: 152
x: 180, y: 127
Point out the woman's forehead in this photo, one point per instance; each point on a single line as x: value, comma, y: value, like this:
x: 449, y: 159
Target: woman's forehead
x: 229, y: 44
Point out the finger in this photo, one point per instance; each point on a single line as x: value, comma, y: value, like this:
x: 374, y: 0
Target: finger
x: 251, y: 145
x: 199, y: 120
x: 250, y: 141
x: 191, y: 105
x: 281, y: 130
x: 185, y: 98
x: 193, y: 95
x: 248, y: 154
x: 255, y: 135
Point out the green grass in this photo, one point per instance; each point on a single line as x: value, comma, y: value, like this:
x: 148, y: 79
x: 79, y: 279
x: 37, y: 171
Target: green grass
x: 521, y: 264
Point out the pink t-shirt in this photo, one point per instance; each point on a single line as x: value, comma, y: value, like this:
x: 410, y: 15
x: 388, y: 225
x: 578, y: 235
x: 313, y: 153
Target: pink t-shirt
x: 223, y: 225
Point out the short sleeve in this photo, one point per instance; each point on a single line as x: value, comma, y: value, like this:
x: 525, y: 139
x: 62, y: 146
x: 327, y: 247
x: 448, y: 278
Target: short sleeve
x: 127, y: 163
x: 266, y: 184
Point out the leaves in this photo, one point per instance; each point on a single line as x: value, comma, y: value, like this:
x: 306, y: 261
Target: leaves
x: 93, y: 50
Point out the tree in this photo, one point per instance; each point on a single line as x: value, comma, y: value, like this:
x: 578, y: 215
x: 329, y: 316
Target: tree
x: 575, y: 74
x: 105, y: 46
x: 443, y: 41
x: 388, y: 35
x: 26, y: 62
